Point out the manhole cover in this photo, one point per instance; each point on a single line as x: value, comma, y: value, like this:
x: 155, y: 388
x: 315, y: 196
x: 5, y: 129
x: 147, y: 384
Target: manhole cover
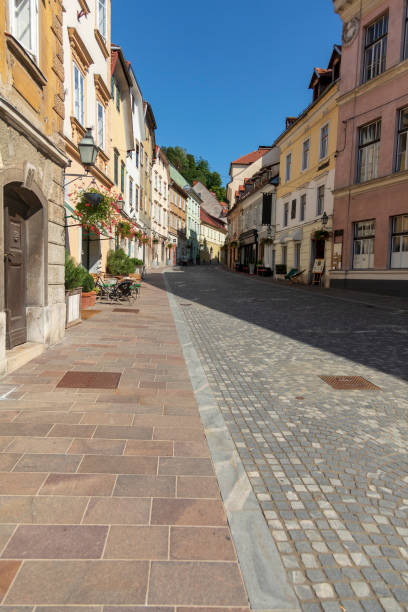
x: 349, y: 383
x: 90, y: 380
x: 126, y: 310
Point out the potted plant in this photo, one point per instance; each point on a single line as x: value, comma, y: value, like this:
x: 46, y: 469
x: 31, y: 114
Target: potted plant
x: 88, y: 296
x: 73, y: 290
x: 156, y: 241
x: 119, y: 264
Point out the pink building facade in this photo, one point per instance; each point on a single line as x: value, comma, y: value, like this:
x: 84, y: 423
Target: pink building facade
x: 370, y: 221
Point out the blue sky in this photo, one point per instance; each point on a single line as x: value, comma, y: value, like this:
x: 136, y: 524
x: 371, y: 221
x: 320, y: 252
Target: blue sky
x: 222, y: 75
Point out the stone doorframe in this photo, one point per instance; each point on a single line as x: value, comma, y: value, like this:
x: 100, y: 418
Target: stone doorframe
x: 37, y: 261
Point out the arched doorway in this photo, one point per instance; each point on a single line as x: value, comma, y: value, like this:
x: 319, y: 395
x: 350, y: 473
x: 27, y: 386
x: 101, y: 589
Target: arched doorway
x: 24, y: 269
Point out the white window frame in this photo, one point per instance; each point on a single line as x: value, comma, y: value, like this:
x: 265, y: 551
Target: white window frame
x: 324, y: 153
x: 34, y: 35
x: 399, y: 257
x: 305, y: 166
x: 81, y: 107
x: 288, y: 166
x: 99, y: 4
x: 100, y: 141
x: 364, y: 244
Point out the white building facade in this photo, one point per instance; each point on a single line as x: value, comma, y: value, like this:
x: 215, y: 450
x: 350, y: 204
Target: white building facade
x: 160, y: 208
x: 133, y: 183
x: 86, y: 43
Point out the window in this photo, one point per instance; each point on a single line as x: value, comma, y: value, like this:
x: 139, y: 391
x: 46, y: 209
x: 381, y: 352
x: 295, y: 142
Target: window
x: 368, y: 151
x: 375, y: 48
x: 399, y: 242
x: 137, y: 198
x: 305, y: 154
x: 293, y: 210
x: 117, y: 97
x: 284, y: 255
x: 130, y: 192
x: 100, y: 136
x: 141, y: 155
x: 364, y: 233
x: 137, y: 155
x: 155, y: 181
x: 303, y: 207
x: 122, y: 177
x: 102, y: 17
x: 116, y: 167
x: 296, y: 261
x: 288, y: 166
x: 78, y: 95
x: 24, y: 24
x: 320, y: 200
x: 402, y: 143
x: 406, y: 33
x: 285, y: 214
x: 324, y: 141
x: 146, y: 163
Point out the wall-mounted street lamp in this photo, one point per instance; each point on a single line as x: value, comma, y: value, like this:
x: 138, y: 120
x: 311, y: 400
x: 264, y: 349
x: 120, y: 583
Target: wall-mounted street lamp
x: 324, y: 219
x: 88, y: 152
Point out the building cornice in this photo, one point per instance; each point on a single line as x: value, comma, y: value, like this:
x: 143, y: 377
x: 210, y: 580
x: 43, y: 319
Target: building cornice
x: 379, y: 80
x: 79, y: 50
x: 14, y: 118
x: 102, y: 44
x: 102, y: 89
x: 385, y: 181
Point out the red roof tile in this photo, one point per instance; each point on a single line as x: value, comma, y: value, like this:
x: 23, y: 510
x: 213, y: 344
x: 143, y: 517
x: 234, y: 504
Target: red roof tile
x: 249, y: 158
x: 210, y: 220
x: 114, y: 59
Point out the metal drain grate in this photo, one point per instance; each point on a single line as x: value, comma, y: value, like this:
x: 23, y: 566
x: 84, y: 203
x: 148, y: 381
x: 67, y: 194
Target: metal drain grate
x: 90, y: 380
x: 184, y: 304
x: 135, y: 310
x: 350, y: 383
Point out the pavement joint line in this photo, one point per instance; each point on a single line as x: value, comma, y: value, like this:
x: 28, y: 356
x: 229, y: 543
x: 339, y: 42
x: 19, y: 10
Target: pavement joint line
x: 264, y: 575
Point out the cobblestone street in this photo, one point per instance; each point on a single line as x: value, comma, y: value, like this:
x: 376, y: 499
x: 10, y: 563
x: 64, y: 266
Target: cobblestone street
x: 329, y: 467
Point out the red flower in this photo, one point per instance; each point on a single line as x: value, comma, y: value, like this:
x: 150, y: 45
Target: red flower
x: 87, y: 205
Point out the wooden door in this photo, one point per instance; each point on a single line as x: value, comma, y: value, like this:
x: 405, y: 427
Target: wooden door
x: 15, y: 275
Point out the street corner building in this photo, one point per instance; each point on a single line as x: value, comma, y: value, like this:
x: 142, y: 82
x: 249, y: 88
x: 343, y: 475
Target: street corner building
x: 371, y: 184
x: 32, y: 165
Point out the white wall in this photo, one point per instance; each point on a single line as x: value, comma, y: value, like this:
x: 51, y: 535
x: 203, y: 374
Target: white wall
x: 85, y: 27
x: 310, y: 189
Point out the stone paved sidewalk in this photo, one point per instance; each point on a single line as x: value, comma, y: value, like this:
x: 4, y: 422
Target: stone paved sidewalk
x: 108, y: 499
x: 329, y: 467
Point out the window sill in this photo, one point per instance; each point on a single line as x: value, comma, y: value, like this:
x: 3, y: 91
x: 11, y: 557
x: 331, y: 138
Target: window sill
x: 25, y: 60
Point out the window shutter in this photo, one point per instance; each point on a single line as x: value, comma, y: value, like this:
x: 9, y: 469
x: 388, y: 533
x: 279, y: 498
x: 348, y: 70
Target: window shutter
x: 267, y: 209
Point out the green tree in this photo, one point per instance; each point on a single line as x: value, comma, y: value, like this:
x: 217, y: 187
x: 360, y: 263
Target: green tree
x: 196, y: 169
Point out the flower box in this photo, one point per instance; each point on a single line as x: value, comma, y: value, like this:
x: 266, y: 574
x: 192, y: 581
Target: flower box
x: 73, y: 307
x: 88, y: 299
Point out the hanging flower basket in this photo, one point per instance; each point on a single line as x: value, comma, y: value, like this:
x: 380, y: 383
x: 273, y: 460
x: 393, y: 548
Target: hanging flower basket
x: 321, y: 235
x: 156, y: 241
x: 125, y: 229
x: 267, y: 241
x: 170, y: 245
x: 94, y: 208
x: 233, y: 244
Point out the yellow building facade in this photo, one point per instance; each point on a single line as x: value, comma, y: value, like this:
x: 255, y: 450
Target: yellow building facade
x: 32, y: 216
x: 304, y: 207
